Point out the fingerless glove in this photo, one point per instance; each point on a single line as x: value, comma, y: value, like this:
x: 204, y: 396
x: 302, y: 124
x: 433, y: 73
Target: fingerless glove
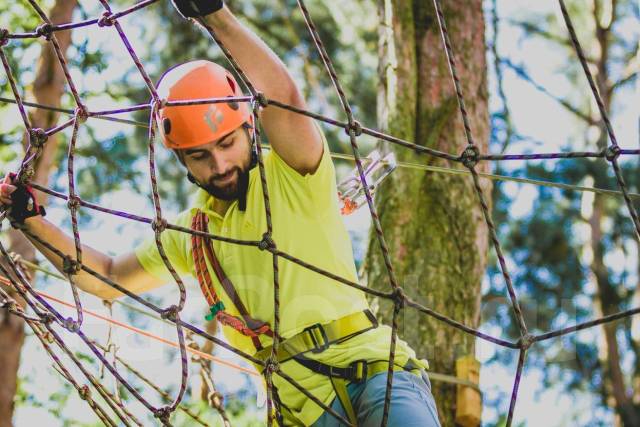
x: 24, y: 204
x: 197, y: 8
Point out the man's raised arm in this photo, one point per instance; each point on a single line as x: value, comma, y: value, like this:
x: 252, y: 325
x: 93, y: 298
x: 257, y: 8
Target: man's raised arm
x: 293, y: 136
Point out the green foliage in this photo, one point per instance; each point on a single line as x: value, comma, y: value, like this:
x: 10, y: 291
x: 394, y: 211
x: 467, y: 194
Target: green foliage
x: 19, y: 17
x: 547, y: 247
x: 24, y: 397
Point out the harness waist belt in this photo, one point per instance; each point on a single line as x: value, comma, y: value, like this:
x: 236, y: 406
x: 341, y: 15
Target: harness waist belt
x: 357, y: 371
x: 317, y: 338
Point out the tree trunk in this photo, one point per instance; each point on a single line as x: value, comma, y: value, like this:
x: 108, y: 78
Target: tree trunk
x: 433, y: 223
x: 608, y: 298
x: 47, y: 89
x: 608, y: 302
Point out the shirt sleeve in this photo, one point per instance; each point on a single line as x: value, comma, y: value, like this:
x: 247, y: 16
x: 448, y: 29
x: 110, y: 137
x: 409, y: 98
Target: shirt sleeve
x: 176, y: 245
x: 319, y: 188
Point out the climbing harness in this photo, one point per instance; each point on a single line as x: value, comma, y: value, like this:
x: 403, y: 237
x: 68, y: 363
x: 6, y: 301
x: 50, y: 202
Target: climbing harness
x: 316, y: 339
x: 313, y: 339
x: 201, y: 247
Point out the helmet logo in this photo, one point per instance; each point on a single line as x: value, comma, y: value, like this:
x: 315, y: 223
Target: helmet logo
x: 213, y: 117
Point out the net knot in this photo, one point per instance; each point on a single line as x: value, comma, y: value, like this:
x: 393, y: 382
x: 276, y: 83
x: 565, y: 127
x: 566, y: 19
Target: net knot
x: 266, y: 242
x: 159, y: 225
x: 45, y: 30
x: 106, y: 20
x: 81, y: 113
x: 469, y: 156
x: 159, y: 104
x: 271, y: 365
x: 27, y: 174
x: 170, y: 313
x: 195, y: 355
x: 73, y: 203
x: 70, y: 266
x: 84, y: 392
x: 47, y: 318
x: 399, y: 297
x: 4, y: 37
x: 526, y: 341
x: 216, y: 399
x: 261, y: 100
x: 354, y: 127
x: 612, y: 153
x: 71, y: 325
x: 9, y: 305
x: 37, y: 137
x: 163, y: 414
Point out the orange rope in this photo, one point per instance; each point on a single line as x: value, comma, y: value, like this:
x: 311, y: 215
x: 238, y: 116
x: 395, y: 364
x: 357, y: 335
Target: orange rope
x: 144, y: 333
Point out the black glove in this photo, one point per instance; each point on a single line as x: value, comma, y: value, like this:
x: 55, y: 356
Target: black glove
x: 197, y: 8
x: 24, y: 204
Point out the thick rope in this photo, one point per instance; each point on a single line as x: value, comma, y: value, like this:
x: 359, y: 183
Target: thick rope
x: 47, y: 316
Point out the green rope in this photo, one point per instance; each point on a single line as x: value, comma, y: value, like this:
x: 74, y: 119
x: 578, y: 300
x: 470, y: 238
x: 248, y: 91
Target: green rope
x: 420, y: 166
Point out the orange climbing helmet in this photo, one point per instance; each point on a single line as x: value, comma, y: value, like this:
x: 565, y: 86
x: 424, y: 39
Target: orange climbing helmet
x: 194, y: 125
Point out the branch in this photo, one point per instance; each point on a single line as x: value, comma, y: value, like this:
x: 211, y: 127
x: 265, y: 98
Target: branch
x: 522, y: 73
x: 506, y: 114
x: 629, y: 74
x: 532, y: 28
x: 624, y: 80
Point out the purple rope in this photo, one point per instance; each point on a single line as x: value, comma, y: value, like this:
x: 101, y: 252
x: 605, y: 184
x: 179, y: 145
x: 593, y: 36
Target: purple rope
x: 36, y: 138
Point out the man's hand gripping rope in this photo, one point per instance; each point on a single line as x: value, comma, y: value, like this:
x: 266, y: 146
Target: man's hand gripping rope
x: 19, y: 199
x: 197, y: 8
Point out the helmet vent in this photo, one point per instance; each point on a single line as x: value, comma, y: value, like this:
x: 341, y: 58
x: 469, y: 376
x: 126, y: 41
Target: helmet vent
x: 166, y: 125
x: 232, y: 84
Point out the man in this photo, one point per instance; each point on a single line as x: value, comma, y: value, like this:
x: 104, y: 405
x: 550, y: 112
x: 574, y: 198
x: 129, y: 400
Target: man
x: 333, y: 347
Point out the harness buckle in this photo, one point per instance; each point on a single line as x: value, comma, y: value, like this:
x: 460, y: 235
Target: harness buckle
x: 318, y: 338
x: 358, y: 370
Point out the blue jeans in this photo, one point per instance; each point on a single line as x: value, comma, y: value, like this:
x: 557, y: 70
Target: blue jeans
x: 412, y: 404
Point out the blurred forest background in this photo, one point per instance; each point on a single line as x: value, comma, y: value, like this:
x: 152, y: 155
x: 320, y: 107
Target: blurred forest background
x: 572, y: 253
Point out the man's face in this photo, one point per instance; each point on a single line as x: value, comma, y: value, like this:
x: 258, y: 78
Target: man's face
x: 219, y: 166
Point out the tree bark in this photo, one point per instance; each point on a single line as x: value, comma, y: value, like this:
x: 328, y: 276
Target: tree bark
x: 608, y: 299
x: 433, y: 223
x: 47, y: 89
x: 608, y: 302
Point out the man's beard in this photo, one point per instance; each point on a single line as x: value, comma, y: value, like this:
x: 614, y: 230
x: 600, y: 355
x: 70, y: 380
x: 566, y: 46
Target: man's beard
x: 232, y: 191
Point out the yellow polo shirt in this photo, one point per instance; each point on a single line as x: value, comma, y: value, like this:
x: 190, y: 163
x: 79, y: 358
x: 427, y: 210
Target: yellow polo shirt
x: 306, y: 224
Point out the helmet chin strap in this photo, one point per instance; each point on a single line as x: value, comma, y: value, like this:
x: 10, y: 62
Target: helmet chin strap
x: 243, y: 184
x: 193, y: 180
x: 244, y: 178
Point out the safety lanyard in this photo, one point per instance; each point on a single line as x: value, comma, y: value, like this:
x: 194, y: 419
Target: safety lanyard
x: 201, y: 247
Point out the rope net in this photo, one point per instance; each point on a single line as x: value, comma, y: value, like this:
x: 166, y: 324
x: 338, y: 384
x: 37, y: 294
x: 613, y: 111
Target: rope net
x: 47, y: 316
